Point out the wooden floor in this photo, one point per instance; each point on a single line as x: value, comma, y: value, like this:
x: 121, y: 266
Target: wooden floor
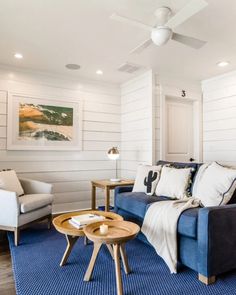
x: 7, y: 285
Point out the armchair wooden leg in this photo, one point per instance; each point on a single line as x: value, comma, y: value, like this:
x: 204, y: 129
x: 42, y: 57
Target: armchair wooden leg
x: 16, y: 236
x: 206, y: 280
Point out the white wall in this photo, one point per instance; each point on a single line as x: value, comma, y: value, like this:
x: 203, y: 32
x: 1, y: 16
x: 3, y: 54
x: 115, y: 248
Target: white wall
x: 137, y: 124
x: 157, y: 120
x: 69, y: 171
x: 219, y: 119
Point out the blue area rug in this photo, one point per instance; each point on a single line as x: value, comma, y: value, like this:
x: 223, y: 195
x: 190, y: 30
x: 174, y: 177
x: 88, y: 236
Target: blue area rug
x: 37, y: 271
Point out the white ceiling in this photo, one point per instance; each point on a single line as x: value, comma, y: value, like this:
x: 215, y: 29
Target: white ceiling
x: 52, y: 33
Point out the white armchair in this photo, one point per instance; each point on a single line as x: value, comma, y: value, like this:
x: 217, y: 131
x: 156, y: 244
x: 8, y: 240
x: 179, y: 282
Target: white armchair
x: 17, y: 213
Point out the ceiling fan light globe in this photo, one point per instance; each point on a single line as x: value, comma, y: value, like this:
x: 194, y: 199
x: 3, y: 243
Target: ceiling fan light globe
x: 161, y: 35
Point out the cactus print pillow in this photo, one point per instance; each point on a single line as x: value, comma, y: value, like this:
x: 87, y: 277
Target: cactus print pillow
x: 173, y: 182
x: 146, y: 179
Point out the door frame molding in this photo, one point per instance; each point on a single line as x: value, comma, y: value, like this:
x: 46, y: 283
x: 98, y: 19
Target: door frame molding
x: 196, y: 100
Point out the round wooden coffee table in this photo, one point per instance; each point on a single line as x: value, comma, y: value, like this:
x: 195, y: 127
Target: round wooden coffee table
x: 119, y: 232
x: 72, y: 234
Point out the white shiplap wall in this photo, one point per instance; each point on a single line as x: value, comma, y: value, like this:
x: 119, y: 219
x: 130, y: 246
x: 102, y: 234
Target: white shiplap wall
x: 219, y: 119
x: 157, y: 115
x: 137, y: 124
x: 69, y: 171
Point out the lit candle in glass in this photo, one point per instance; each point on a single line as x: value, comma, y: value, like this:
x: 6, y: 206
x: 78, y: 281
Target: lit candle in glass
x: 103, y: 229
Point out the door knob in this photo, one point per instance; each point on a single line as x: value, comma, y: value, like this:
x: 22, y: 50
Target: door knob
x: 191, y: 159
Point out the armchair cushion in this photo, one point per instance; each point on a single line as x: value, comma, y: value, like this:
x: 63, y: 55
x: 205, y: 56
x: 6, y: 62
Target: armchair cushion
x: 10, y: 182
x: 33, y: 202
x: 35, y: 187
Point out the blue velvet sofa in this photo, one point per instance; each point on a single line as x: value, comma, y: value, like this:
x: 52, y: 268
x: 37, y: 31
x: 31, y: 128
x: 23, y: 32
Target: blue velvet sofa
x: 206, y: 236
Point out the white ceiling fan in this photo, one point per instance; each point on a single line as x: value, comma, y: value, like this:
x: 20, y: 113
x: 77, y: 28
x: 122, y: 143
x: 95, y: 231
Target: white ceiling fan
x: 162, y: 32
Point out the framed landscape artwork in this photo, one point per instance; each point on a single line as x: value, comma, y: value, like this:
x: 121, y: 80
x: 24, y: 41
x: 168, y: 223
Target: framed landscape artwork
x: 43, y: 124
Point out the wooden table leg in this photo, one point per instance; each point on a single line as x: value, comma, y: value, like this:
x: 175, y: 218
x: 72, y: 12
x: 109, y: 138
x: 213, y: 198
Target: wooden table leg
x: 124, y: 259
x: 119, y: 287
x: 109, y: 247
x: 70, y: 243
x: 89, y: 271
x: 85, y: 241
x: 93, y: 198
x: 107, y: 195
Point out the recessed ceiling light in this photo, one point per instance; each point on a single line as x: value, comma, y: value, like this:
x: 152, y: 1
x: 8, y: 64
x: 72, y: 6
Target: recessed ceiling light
x: 18, y: 55
x: 222, y: 63
x: 72, y: 66
x: 99, y: 72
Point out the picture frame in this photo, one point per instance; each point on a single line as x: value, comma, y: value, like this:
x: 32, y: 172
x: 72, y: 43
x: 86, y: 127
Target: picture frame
x: 40, y: 123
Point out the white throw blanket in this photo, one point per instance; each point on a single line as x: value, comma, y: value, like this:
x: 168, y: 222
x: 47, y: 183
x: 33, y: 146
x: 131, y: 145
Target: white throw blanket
x: 160, y: 227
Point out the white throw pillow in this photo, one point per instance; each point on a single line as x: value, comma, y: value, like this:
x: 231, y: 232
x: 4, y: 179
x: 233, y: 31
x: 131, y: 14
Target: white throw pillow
x: 214, y: 184
x: 10, y: 182
x: 146, y: 179
x: 173, y: 182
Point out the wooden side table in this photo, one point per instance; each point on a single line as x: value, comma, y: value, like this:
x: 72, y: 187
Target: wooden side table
x: 119, y: 232
x: 107, y: 185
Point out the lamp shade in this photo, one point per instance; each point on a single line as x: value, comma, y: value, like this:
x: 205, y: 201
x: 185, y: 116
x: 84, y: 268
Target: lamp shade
x: 113, y: 153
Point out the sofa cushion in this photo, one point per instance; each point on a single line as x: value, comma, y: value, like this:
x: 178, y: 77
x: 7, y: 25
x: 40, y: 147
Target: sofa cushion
x: 214, y: 184
x: 187, y: 224
x: 29, y: 203
x: 138, y: 203
x: 147, y: 177
x: 135, y: 202
x: 194, y: 166
x: 233, y: 198
x: 173, y: 182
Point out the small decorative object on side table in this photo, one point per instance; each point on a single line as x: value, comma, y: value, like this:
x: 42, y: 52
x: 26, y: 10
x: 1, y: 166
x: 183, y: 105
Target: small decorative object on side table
x: 118, y: 233
x: 107, y: 185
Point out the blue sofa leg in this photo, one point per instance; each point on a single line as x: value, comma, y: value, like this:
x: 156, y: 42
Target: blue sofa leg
x: 206, y: 280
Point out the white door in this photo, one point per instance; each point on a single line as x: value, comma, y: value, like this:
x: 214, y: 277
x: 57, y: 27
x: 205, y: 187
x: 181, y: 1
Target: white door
x: 179, y: 130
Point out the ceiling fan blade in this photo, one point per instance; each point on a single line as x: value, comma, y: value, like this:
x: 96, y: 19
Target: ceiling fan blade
x: 141, y: 47
x: 185, y: 13
x: 130, y: 21
x: 189, y: 41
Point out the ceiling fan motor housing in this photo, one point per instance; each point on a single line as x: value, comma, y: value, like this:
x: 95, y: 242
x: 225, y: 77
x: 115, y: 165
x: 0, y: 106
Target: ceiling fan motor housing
x: 161, y: 35
x: 162, y: 14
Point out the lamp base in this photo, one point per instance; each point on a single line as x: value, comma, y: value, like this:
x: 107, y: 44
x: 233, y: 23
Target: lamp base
x: 115, y: 180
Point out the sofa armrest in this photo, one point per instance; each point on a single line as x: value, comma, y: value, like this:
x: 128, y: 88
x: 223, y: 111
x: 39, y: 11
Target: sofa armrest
x: 35, y: 187
x: 9, y: 209
x: 216, y: 239
x: 120, y: 190
x: 123, y: 189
